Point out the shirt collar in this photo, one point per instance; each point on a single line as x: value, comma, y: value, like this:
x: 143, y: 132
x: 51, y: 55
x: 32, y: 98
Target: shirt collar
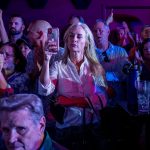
x: 110, y: 47
x: 47, y: 142
x: 84, y: 62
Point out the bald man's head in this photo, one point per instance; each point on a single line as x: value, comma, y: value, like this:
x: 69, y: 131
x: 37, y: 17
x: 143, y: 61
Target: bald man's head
x: 39, y: 25
x: 37, y: 31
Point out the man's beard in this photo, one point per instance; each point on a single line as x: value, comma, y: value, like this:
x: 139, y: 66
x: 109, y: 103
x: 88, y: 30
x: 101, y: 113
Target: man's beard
x: 14, y: 31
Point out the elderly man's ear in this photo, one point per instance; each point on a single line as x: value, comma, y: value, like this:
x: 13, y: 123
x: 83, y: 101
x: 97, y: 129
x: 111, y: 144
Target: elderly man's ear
x: 42, y: 124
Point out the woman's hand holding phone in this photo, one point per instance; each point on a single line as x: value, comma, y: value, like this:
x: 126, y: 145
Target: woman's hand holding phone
x: 52, y: 44
x: 53, y: 40
x: 50, y: 49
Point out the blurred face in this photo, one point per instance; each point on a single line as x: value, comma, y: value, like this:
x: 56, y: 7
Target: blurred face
x: 37, y: 38
x: 146, y: 51
x: 33, y: 37
x: 8, y: 52
x: 37, y: 33
x: 77, y: 40
x: 74, y: 20
x: 121, y: 33
x: 25, y: 49
x: 20, y: 132
x: 101, y: 33
x: 146, y: 33
x: 16, y: 26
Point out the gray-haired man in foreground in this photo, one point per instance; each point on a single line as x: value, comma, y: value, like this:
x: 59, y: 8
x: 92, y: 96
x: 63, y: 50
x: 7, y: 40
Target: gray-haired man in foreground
x: 23, y: 124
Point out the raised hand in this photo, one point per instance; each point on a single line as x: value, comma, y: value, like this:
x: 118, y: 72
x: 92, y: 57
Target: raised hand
x: 124, y: 24
x: 110, y: 18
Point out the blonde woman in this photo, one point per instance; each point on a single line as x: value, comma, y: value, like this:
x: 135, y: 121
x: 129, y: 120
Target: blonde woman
x: 78, y: 78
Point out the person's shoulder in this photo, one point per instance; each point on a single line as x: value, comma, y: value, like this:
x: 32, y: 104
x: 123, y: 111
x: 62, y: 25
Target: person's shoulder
x: 57, y: 64
x: 59, y: 54
x: 61, y: 51
x: 98, y: 51
x: 117, y: 48
x: 57, y: 146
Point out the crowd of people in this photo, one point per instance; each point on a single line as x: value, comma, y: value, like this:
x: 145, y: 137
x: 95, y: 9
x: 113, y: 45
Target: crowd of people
x: 71, y: 87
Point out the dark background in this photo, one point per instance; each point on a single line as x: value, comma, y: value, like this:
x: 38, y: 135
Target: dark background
x: 57, y: 12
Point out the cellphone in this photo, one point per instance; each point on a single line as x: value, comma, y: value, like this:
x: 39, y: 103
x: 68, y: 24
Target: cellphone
x: 53, y: 35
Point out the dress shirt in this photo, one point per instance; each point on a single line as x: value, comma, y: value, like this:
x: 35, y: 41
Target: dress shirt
x: 117, y: 58
x: 70, y: 83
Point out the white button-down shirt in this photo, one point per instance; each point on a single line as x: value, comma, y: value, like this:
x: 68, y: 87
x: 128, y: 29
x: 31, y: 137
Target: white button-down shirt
x: 70, y: 83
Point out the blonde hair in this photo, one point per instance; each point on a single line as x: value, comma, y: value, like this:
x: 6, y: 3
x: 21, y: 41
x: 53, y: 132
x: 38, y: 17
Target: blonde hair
x: 90, y: 53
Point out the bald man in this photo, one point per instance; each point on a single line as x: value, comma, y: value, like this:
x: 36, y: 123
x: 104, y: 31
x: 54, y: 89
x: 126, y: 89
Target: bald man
x: 37, y: 34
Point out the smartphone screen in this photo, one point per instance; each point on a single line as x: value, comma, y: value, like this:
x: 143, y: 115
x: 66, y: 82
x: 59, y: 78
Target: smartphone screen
x: 53, y: 35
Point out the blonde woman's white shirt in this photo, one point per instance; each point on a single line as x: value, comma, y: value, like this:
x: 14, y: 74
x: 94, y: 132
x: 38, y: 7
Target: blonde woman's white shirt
x: 70, y: 83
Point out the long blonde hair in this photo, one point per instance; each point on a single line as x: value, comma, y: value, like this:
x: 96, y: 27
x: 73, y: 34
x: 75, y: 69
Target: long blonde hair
x: 95, y: 66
